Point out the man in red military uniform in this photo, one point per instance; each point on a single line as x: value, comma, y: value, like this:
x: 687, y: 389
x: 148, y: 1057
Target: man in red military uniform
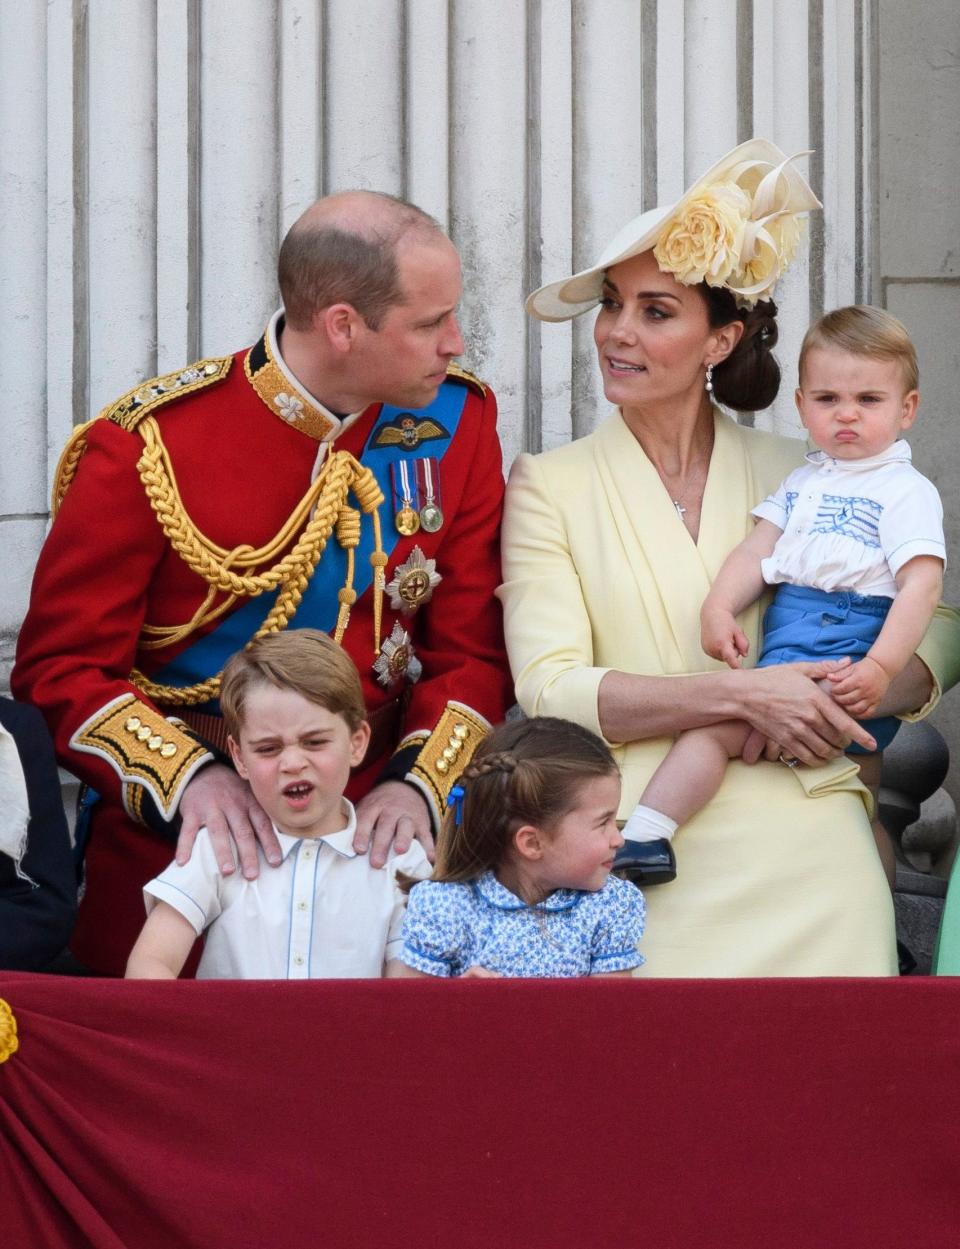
x: 342, y: 474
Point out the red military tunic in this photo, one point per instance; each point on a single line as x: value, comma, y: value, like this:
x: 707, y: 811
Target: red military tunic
x: 243, y: 442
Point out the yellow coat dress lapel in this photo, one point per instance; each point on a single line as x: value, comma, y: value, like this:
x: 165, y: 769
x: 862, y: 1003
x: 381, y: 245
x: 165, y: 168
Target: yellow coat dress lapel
x: 660, y: 552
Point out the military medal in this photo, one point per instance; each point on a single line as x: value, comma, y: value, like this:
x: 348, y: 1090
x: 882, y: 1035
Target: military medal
x: 397, y: 660
x: 413, y: 582
x: 407, y: 518
x: 428, y: 478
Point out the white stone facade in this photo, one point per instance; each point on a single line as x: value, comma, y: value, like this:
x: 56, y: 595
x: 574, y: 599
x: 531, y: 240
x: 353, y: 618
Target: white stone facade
x: 153, y: 152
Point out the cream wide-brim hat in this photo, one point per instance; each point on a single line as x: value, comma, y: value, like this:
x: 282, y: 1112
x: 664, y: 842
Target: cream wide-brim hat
x: 572, y: 296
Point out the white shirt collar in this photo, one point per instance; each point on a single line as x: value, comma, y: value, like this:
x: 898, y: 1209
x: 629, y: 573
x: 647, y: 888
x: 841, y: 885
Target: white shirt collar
x: 897, y: 451
x: 341, y: 840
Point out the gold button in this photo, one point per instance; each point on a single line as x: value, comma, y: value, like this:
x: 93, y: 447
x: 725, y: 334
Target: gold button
x: 209, y: 369
x: 461, y: 731
x: 155, y: 742
x: 143, y: 732
x: 168, y: 750
x: 449, y: 755
x: 442, y: 766
x: 132, y: 724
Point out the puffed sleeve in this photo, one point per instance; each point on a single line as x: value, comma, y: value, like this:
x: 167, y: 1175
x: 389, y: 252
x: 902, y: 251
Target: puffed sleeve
x: 912, y: 524
x: 433, y: 929
x: 193, y: 889
x: 775, y: 507
x: 413, y: 862
x: 619, y: 929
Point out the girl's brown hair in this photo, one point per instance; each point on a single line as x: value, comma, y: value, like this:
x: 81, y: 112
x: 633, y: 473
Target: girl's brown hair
x: 524, y: 772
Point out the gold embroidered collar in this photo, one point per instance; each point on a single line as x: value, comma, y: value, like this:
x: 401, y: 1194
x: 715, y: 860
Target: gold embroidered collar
x: 283, y: 394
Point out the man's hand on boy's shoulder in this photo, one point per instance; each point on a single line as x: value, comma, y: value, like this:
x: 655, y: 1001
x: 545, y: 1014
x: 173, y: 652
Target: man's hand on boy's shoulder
x: 220, y: 801
x: 392, y: 814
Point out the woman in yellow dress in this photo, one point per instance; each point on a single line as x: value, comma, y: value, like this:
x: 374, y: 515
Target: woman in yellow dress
x: 609, y: 547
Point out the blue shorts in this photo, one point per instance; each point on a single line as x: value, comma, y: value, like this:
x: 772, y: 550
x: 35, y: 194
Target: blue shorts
x: 803, y: 624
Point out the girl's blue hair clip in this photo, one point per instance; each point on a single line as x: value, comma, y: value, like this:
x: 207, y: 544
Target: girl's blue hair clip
x: 455, y: 800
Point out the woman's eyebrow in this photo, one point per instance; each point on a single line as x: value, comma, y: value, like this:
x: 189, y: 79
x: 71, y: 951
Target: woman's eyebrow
x: 643, y: 294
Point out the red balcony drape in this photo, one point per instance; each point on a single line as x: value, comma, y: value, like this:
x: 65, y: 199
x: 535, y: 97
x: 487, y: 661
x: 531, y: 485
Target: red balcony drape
x: 779, y: 1114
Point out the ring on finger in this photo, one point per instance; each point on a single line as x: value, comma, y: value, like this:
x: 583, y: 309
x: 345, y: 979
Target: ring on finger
x: 790, y: 760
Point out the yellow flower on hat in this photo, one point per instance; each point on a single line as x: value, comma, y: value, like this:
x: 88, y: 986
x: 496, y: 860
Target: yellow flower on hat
x: 702, y: 242
x: 769, y: 246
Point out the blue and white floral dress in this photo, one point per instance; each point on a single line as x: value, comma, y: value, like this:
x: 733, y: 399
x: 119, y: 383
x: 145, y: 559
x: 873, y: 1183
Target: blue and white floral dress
x: 451, y: 927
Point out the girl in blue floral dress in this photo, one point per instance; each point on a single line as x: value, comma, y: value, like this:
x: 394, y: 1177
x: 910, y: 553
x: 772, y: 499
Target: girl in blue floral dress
x: 522, y: 883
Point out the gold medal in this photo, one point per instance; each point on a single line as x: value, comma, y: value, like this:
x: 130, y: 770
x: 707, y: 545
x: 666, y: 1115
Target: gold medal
x: 407, y: 520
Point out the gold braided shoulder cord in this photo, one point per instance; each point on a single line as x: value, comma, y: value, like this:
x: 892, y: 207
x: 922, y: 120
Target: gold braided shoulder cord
x: 66, y: 470
x: 325, y: 504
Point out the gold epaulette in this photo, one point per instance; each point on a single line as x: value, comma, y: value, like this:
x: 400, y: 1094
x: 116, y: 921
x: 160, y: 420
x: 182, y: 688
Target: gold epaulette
x: 130, y: 409
x: 464, y: 375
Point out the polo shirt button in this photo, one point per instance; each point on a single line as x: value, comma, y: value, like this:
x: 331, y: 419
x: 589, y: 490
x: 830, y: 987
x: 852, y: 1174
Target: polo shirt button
x: 298, y: 960
x: 308, y: 854
x: 301, y: 906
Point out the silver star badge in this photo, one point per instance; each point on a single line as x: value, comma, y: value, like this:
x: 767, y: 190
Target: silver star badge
x: 397, y: 659
x: 413, y: 582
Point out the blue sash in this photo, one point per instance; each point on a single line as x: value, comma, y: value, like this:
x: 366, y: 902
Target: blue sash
x: 319, y: 605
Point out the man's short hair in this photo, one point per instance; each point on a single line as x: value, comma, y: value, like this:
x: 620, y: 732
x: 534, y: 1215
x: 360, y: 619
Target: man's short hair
x: 303, y: 660
x: 862, y: 330
x: 322, y: 265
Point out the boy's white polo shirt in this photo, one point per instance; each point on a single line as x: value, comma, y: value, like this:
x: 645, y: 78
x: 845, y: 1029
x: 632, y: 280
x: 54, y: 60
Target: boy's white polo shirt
x: 852, y: 524
x: 324, y: 912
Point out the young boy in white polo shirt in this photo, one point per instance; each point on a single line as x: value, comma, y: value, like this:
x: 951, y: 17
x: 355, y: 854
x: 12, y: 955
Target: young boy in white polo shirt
x: 852, y: 542
x: 293, y: 708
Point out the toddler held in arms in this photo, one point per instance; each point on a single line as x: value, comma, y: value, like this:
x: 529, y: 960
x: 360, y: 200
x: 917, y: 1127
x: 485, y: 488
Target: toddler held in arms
x: 853, y: 542
x: 522, y: 883
x: 293, y: 707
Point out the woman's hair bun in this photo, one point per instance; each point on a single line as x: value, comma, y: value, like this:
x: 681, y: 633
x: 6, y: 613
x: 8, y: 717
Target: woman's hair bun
x: 749, y: 379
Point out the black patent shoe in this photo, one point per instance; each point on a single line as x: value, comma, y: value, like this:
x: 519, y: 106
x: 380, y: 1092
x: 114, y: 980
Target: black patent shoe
x: 646, y: 862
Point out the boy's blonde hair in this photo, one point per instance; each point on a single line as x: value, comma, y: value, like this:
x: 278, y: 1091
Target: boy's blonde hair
x: 862, y: 330
x: 303, y: 660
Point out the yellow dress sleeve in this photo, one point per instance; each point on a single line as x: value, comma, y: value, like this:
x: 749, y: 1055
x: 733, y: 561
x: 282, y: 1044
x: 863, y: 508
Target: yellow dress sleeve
x: 547, y: 625
x: 940, y: 652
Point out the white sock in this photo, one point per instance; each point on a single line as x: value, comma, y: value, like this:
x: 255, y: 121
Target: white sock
x: 645, y: 824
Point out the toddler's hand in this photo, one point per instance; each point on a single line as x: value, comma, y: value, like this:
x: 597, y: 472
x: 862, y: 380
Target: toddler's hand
x: 860, y: 690
x: 480, y: 973
x: 721, y: 637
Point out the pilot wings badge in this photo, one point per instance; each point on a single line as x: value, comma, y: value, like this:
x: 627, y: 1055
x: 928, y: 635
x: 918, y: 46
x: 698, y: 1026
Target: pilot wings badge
x: 407, y: 433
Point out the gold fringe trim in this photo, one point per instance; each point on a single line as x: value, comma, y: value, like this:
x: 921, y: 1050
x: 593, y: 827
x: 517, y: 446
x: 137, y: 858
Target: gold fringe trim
x: 8, y: 1032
